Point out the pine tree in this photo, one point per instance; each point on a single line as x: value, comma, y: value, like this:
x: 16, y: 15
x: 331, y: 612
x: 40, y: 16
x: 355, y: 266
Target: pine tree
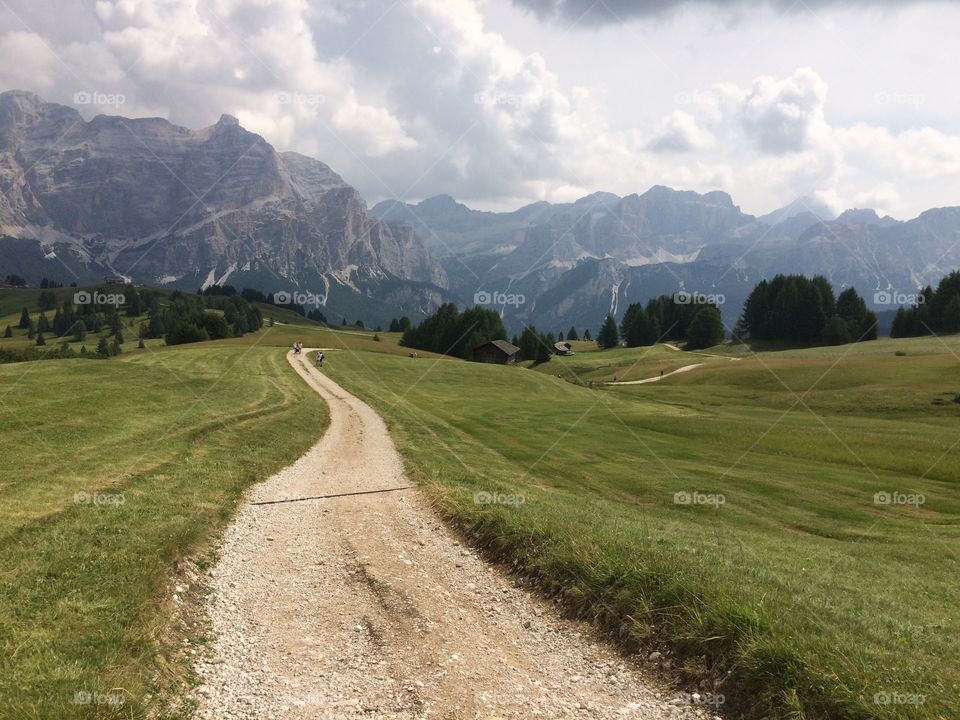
x: 47, y: 300
x: 608, y: 336
x: 40, y: 340
x: 951, y: 315
x: 572, y: 333
x: 837, y: 331
x: 586, y: 335
x: 80, y: 331
x: 560, y: 337
x: 43, y: 324
x: 706, y: 329
x: 31, y: 330
x: 118, y: 337
x: 24, y: 320
x: 103, y: 347
x: 156, y: 328
x: 8, y: 332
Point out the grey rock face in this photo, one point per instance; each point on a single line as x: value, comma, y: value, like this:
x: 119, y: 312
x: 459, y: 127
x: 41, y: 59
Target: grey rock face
x: 159, y: 202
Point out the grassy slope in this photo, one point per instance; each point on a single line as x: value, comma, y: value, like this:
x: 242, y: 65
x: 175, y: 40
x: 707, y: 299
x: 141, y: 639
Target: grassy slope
x: 798, y: 582
x: 179, y: 434
x: 812, y: 596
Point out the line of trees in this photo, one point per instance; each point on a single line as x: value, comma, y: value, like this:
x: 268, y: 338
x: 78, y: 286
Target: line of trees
x: 534, y: 345
x: 664, y: 318
x: 803, y: 310
x: 191, y: 318
x: 934, y: 311
x: 450, y: 332
x: 400, y: 324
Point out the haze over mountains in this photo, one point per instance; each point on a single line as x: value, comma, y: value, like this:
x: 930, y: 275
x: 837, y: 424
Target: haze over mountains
x: 163, y: 204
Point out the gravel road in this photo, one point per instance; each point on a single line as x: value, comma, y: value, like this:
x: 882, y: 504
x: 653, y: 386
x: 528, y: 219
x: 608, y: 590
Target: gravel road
x: 366, y: 606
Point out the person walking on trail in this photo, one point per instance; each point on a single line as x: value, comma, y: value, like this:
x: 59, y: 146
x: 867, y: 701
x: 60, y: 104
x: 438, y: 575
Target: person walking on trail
x: 319, y: 359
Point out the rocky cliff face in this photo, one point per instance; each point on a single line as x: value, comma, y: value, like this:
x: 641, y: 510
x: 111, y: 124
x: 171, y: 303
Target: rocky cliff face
x: 574, y: 262
x: 164, y: 204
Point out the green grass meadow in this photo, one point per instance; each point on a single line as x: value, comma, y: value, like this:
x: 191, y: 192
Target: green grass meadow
x: 809, y: 597
x: 736, y: 514
x: 114, y: 471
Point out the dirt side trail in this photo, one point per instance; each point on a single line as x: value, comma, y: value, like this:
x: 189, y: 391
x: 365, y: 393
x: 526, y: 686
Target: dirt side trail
x: 366, y: 606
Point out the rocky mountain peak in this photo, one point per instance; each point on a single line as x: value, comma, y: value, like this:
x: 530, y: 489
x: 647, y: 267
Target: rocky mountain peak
x: 164, y: 204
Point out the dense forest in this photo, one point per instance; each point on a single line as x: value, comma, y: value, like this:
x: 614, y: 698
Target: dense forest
x: 665, y: 318
x: 934, y: 311
x: 800, y: 310
x: 450, y: 332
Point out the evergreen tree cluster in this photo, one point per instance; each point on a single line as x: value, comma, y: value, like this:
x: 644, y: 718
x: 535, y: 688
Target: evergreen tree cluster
x: 798, y: 309
x: 450, y: 332
x: 935, y: 311
x: 29, y: 354
x: 663, y: 318
x: 400, y: 325
x: 188, y: 318
x: 534, y: 345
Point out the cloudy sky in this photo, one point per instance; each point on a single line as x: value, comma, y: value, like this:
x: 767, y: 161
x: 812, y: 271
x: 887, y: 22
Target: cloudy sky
x: 503, y: 102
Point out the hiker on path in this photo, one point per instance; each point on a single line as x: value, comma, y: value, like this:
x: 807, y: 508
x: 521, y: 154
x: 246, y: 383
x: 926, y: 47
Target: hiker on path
x: 319, y: 359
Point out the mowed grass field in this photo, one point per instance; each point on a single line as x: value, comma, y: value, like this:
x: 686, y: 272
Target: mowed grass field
x: 728, y: 513
x: 113, y: 472
x: 737, y: 512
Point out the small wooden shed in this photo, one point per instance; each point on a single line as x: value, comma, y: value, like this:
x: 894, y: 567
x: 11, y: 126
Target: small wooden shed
x: 563, y: 348
x: 499, y: 352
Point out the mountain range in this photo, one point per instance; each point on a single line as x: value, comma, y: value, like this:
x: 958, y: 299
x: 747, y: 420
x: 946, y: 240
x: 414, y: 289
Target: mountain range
x: 162, y: 204
x: 574, y: 262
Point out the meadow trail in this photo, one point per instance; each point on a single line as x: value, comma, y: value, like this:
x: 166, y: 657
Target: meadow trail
x: 657, y: 378
x: 367, y: 606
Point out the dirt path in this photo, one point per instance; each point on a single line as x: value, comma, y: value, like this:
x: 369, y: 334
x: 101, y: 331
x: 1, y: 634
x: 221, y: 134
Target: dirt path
x: 657, y: 378
x: 366, y: 606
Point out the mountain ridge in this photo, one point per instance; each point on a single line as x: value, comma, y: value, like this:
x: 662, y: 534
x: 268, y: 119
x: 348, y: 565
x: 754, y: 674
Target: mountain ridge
x: 160, y: 203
